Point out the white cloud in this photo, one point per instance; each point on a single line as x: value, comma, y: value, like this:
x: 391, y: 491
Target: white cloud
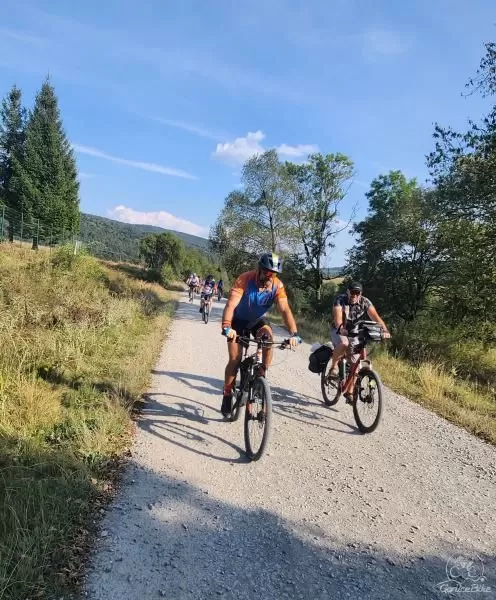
x: 84, y: 175
x: 297, y: 151
x: 237, y: 152
x: 136, y: 164
x: 382, y: 41
x: 241, y: 149
x: 191, y: 128
x: 159, y: 218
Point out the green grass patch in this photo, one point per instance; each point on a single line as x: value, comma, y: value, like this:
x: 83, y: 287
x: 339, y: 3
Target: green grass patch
x: 78, y: 341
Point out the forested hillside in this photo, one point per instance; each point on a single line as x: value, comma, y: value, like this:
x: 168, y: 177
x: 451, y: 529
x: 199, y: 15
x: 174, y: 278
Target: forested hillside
x: 111, y: 239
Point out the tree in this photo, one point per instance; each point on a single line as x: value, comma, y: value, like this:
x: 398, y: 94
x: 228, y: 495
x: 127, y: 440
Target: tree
x: 399, y: 256
x: 45, y: 177
x: 12, y: 134
x: 316, y: 190
x: 463, y: 167
x: 160, y: 249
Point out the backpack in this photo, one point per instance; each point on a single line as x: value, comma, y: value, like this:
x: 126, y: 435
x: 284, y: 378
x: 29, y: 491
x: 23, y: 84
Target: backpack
x: 318, y: 360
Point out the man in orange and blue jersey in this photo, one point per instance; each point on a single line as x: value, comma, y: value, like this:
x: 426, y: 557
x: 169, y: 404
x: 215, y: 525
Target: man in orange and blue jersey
x: 251, y: 296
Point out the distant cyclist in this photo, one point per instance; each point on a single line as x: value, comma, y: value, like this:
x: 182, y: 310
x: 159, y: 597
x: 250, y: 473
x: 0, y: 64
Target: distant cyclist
x: 193, y: 281
x: 207, y: 291
x: 220, y: 288
x: 251, y: 296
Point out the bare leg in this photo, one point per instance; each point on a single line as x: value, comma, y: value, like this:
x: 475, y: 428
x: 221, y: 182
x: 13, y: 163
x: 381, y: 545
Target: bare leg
x: 267, y: 353
x: 235, y: 351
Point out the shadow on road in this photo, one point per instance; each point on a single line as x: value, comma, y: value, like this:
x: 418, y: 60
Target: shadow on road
x: 172, y: 422
x: 170, y: 538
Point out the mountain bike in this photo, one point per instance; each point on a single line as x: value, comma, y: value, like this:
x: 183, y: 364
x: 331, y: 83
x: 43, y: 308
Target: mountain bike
x: 253, y: 391
x: 367, y: 394
x: 191, y: 293
x: 206, y: 308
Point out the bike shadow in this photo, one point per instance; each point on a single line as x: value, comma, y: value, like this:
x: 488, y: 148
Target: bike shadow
x: 216, y: 385
x: 296, y: 406
x: 175, y: 425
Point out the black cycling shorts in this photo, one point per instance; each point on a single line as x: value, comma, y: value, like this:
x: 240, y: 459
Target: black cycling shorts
x: 246, y: 328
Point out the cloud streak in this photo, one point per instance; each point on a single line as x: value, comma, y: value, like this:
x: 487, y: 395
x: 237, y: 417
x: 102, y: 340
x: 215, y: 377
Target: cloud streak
x: 191, y: 128
x: 135, y: 164
x: 160, y: 218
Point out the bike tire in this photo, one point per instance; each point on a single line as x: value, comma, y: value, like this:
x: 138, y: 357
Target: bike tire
x: 330, y: 398
x: 357, y: 401
x: 260, y: 389
x: 206, y: 312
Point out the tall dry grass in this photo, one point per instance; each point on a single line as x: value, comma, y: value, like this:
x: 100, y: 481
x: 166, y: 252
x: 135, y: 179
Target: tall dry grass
x: 78, y: 340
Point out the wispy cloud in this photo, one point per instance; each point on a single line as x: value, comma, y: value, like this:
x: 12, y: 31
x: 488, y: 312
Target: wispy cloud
x: 159, y: 218
x: 242, y: 148
x: 135, y: 164
x: 192, y: 128
x: 297, y: 151
x: 385, y: 42
x: 22, y: 36
x: 84, y: 175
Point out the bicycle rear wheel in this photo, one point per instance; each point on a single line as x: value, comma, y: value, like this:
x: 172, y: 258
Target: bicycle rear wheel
x: 258, y: 419
x: 367, y: 400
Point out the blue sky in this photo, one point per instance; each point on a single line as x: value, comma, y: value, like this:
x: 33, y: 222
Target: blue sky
x: 163, y: 101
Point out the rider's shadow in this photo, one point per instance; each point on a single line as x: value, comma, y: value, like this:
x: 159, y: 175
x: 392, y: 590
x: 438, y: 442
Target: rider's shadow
x: 213, y: 386
x: 296, y: 407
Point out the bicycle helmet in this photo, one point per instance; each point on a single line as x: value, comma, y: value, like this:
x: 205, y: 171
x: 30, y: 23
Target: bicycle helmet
x: 210, y: 277
x: 355, y: 286
x: 271, y: 262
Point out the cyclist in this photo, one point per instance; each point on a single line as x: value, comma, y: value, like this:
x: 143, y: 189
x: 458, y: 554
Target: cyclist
x: 348, y: 308
x: 193, y: 281
x: 207, y: 291
x: 220, y: 288
x: 251, y: 296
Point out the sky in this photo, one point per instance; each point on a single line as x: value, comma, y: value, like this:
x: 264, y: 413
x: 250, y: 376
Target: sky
x: 163, y: 101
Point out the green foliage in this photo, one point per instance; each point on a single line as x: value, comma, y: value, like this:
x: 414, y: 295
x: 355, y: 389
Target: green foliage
x: 12, y: 134
x: 44, y: 176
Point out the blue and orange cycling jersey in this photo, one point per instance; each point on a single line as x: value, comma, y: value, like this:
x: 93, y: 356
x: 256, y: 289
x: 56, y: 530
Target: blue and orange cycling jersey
x: 255, y: 302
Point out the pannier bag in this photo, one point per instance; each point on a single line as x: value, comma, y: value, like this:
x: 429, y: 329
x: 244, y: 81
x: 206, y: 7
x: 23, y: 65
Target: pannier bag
x: 319, y: 358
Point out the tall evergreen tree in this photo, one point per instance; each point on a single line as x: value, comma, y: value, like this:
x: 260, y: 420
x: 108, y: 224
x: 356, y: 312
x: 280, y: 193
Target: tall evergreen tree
x: 46, y: 176
x: 12, y: 133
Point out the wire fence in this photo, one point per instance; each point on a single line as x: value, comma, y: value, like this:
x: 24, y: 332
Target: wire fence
x: 22, y: 229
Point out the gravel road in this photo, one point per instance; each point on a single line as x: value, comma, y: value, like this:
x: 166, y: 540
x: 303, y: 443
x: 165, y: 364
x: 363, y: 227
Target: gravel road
x: 326, y: 513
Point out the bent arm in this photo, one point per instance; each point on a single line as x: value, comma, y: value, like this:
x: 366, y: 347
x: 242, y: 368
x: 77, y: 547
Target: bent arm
x: 287, y: 315
x: 372, y: 312
x: 232, y: 302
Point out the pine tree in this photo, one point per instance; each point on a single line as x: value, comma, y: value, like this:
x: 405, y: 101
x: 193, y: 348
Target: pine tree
x: 12, y: 134
x: 46, y: 176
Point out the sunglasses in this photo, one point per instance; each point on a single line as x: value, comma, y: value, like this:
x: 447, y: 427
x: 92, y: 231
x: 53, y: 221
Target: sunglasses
x: 267, y: 273
x: 355, y: 293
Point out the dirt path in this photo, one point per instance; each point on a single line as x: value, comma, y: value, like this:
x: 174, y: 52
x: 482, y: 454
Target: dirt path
x: 327, y: 513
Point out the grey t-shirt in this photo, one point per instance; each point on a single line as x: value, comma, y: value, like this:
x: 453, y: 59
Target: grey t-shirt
x: 352, y: 312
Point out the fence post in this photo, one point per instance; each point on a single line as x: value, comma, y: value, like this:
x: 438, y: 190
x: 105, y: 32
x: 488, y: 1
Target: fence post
x: 22, y: 225
x: 3, y: 223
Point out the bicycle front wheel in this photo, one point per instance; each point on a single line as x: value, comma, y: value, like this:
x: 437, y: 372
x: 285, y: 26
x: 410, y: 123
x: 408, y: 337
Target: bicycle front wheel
x: 258, y: 419
x: 206, y: 312
x: 331, y: 388
x: 367, y: 400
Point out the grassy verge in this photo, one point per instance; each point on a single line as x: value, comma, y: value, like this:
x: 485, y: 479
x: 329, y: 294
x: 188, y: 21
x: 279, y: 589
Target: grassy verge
x: 78, y: 341
x: 465, y: 403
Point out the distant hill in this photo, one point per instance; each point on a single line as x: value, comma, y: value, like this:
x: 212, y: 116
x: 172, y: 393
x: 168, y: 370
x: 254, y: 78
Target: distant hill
x: 113, y: 239
x: 333, y: 271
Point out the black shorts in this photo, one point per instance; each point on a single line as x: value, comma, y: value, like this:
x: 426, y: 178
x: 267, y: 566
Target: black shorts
x: 246, y: 328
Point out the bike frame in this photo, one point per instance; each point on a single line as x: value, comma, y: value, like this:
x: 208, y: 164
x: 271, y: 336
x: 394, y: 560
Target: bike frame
x: 354, y: 369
